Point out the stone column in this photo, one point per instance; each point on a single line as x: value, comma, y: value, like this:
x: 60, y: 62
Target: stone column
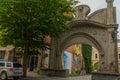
x: 59, y: 62
x: 58, y: 55
x: 112, y: 45
x: 112, y: 53
x: 110, y: 12
x: 52, y: 56
x: 116, y: 51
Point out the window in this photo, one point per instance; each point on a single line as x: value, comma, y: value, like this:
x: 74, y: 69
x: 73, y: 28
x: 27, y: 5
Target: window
x: 17, y: 65
x: 96, y: 56
x: 119, y: 55
x: 8, y: 65
x: 2, y: 54
x: 2, y: 64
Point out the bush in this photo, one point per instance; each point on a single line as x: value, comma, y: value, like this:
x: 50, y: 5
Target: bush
x: 95, y: 67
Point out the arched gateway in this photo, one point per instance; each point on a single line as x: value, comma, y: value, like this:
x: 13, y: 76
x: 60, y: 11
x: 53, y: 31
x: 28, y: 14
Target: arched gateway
x: 98, y: 29
x: 87, y: 32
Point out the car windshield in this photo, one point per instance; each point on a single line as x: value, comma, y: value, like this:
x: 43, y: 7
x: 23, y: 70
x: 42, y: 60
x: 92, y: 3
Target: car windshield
x: 17, y: 65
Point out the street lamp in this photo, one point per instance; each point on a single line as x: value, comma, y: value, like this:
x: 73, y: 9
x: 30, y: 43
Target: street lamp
x: 113, y: 35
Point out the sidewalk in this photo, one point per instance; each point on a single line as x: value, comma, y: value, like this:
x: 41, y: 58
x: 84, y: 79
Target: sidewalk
x: 35, y: 76
x: 31, y: 75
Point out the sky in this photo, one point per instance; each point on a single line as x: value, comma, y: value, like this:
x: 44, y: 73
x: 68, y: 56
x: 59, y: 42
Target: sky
x: 98, y: 4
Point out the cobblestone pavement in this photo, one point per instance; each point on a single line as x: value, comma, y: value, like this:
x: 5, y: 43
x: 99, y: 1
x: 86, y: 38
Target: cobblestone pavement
x: 33, y: 76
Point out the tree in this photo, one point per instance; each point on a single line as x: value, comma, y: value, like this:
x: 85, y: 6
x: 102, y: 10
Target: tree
x: 25, y: 23
x: 87, y: 55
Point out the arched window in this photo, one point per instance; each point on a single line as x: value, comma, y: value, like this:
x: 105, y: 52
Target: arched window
x: 119, y: 56
x: 96, y: 56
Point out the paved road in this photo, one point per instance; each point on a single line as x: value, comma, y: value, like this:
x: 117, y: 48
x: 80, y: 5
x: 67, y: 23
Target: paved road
x: 70, y: 78
x: 33, y: 76
x: 88, y: 77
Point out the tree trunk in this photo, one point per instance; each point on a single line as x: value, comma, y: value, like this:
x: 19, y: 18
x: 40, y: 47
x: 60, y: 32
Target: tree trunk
x: 40, y: 60
x: 25, y: 60
x: 39, y: 63
x: 26, y: 36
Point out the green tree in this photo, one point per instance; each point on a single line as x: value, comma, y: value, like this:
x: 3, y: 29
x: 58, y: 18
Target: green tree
x: 25, y: 23
x: 87, y: 55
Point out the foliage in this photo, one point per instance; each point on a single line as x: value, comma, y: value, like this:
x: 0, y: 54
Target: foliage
x: 73, y: 75
x: 25, y: 23
x: 87, y: 55
x: 33, y: 18
x: 95, y: 67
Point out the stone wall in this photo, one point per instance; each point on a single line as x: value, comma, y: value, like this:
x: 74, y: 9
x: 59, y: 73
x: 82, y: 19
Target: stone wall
x: 105, y: 76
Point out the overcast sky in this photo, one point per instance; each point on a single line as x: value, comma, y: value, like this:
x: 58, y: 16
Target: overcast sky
x: 98, y: 4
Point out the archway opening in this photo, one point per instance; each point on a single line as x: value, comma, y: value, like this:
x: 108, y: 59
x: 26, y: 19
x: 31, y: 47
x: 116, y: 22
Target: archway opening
x: 78, y: 61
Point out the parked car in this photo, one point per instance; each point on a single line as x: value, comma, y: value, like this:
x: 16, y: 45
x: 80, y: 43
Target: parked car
x: 10, y: 70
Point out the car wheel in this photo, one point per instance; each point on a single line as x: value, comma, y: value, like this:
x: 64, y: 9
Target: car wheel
x: 4, y: 76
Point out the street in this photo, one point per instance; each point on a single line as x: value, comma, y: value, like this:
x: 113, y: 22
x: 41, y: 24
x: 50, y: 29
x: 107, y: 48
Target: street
x: 70, y: 78
x: 34, y: 76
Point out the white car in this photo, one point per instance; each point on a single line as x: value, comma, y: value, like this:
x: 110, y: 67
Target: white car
x: 10, y: 70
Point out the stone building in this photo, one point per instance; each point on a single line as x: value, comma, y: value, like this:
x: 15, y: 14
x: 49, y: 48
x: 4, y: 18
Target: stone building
x: 6, y: 53
x: 95, y: 55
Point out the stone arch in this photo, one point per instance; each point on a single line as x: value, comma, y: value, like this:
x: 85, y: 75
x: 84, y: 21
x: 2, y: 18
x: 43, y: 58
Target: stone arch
x: 87, y: 32
x: 78, y: 38
x: 83, y: 38
x: 98, y: 30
